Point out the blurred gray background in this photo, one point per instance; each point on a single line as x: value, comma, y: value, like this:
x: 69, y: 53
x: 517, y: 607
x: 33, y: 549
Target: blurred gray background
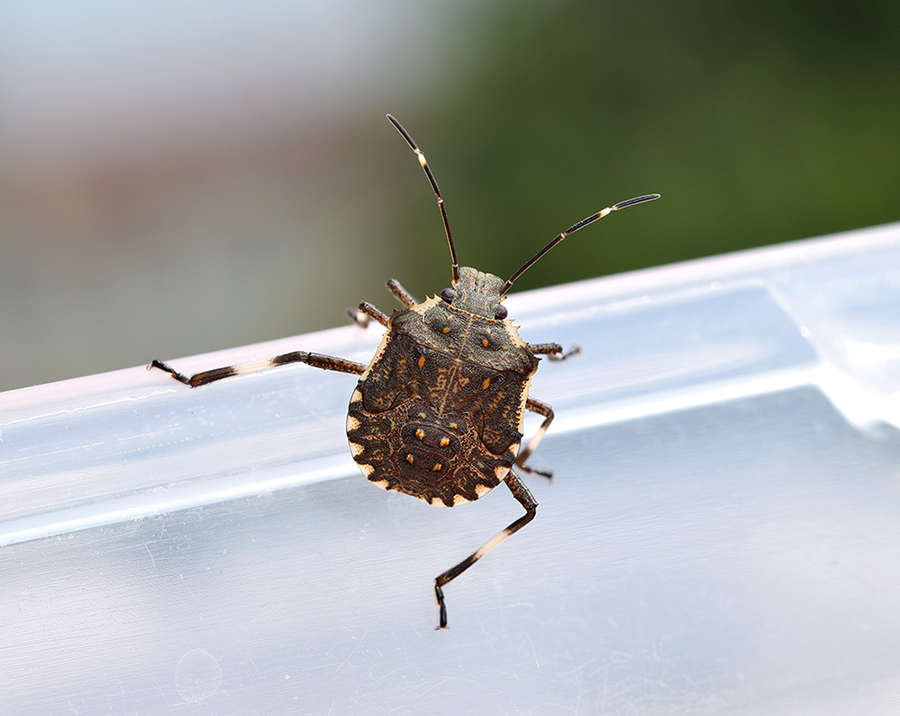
x: 178, y: 178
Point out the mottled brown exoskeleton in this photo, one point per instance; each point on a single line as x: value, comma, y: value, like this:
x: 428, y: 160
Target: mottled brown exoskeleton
x: 438, y: 412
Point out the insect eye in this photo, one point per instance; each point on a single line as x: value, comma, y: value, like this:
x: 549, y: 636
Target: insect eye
x: 448, y: 294
x: 500, y: 312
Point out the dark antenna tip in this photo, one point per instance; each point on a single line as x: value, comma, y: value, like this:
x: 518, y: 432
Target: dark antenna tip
x: 636, y: 200
x: 572, y: 229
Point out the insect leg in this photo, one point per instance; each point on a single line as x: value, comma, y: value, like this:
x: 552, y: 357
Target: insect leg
x: 316, y: 360
x: 404, y: 296
x: 540, y: 408
x: 544, y: 348
x: 553, y: 351
x: 364, y: 312
x: 525, y: 498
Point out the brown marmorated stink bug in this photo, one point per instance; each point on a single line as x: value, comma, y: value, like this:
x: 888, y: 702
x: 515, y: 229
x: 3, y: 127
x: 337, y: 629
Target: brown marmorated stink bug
x: 438, y: 412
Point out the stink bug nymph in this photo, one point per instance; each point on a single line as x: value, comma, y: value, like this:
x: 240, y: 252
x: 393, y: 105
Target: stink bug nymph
x: 438, y: 412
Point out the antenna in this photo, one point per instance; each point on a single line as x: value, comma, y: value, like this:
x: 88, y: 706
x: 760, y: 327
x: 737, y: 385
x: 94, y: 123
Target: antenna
x: 572, y: 229
x: 437, y: 192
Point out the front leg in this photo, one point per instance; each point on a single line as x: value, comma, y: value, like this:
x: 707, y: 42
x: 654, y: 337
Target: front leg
x: 367, y: 311
x: 316, y: 360
x: 402, y: 295
x: 553, y: 351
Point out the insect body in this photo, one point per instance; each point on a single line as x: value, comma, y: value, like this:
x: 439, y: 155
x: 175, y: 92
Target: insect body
x: 438, y: 412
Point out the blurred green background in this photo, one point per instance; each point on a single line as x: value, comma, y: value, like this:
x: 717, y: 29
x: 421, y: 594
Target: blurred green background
x: 176, y: 179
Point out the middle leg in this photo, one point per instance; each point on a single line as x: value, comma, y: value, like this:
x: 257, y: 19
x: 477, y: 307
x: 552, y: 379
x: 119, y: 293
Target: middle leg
x: 540, y: 408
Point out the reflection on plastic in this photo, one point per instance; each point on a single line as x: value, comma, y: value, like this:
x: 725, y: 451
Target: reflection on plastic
x: 197, y: 676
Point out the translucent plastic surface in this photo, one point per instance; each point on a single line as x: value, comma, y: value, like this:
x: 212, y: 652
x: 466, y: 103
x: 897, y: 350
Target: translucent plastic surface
x: 722, y: 535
